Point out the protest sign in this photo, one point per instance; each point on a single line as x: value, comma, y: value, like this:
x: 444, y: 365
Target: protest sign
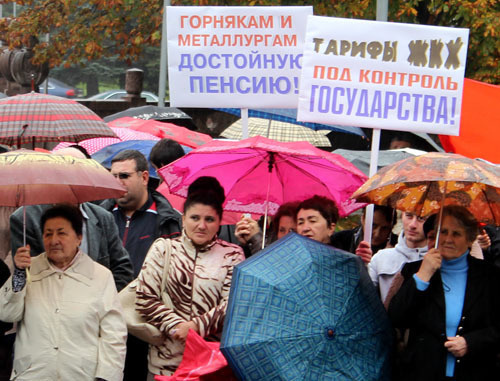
x: 235, y: 56
x: 383, y: 75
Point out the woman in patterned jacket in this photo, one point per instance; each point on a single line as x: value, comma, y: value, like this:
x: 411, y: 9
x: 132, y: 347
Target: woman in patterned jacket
x: 196, y: 290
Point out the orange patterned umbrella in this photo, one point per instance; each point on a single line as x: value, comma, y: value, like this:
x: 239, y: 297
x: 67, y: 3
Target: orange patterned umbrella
x: 418, y: 184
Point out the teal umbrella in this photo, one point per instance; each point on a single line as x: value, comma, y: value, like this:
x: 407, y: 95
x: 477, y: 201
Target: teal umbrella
x: 302, y: 310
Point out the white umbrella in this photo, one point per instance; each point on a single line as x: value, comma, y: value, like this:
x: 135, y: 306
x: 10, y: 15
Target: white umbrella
x: 280, y: 131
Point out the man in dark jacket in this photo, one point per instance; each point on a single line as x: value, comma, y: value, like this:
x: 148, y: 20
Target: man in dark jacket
x: 142, y: 215
x: 100, y: 240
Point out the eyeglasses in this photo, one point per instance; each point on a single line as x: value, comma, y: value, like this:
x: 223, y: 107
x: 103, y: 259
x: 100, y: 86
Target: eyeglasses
x: 123, y: 175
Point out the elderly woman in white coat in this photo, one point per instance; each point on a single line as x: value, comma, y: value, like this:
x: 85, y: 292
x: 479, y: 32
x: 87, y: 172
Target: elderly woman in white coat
x: 69, y: 318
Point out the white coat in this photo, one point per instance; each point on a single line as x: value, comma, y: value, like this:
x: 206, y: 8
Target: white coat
x: 70, y: 323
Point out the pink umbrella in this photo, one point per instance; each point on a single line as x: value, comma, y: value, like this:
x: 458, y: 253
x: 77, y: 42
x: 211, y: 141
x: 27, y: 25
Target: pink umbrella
x: 260, y: 174
x: 228, y: 218
x: 96, y: 144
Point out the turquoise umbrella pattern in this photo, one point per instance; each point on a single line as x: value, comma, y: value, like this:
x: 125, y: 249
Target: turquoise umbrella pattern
x: 301, y: 310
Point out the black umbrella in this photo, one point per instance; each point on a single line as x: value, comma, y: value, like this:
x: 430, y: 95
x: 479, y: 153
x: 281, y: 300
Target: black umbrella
x: 150, y: 112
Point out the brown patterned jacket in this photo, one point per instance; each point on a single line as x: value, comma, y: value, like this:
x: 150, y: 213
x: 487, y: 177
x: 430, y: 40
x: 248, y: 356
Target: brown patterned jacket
x: 197, y: 290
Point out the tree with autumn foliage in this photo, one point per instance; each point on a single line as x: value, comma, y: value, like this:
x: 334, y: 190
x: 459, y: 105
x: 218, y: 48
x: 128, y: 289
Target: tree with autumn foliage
x: 88, y: 30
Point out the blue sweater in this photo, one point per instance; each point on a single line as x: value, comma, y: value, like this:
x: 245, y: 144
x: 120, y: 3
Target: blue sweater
x: 454, y: 278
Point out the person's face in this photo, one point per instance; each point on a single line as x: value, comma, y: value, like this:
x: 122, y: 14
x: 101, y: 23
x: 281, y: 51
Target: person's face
x: 397, y: 144
x: 201, y: 223
x: 286, y: 225
x: 453, y: 240
x: 134, y: 181
x: 381, y: 228
x: 310, y: 223
x: 413, y: 228
x: 60, y: 241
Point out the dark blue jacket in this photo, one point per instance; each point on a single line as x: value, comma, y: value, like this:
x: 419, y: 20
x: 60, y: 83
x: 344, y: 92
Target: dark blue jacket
x: 156, y: 218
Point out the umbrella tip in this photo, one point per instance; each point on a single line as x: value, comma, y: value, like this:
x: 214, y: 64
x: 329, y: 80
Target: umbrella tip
x: 330, y: 333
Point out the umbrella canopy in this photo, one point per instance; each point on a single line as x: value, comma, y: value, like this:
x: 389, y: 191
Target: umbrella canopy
x: 34, y: 117
x: 163, y: 130
x: 289, y: 115
x: 280, y: 131
x: 425, y: 183
x: 362, y: 159
x: 30, y: 178
x: 260, y: 174
x: 96, y: 144
x: 301, y: 310
x: 150, y: 112
x: 105, y: 155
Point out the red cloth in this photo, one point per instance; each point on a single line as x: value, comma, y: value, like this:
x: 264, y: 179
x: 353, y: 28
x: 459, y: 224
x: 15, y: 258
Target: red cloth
x: 202, y: 361
x: 479, y: 123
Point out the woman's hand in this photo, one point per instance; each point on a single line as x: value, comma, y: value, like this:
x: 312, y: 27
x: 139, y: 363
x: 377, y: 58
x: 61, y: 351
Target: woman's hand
x: 245, y: 229
x: 457, y: 346
x: 484, y: 240
x: 22, y: 258
x: 430, y: 263
x: 364, y: 251
x: 180, y: 331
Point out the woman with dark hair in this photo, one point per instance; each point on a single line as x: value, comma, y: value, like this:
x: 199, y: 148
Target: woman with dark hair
x: 199, y: 266
x: 249, y: 233
x: 70, y: 325
x: 284, y: 220
x: 316, y: 218
x: 450, y: 303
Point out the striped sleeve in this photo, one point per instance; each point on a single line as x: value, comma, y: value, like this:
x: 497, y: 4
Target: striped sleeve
x: 149, y: 302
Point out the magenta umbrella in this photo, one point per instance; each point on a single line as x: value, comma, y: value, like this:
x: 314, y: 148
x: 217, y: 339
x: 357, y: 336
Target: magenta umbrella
x: 259, y: 174
x: 96, y: 144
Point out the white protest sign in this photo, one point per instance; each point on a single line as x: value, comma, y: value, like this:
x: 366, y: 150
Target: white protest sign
x: 235, y: 56
x: 383, y: 75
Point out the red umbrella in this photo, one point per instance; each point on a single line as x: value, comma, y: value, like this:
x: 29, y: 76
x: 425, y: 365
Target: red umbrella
x: 33, y: 117
x: 96, y: 144
x: 163, y: 130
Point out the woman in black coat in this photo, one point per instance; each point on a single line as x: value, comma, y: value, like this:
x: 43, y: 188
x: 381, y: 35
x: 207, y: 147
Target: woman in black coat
x: 450, y: 302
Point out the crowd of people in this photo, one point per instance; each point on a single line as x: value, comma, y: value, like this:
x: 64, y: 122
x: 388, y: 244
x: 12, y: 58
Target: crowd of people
x: 61, y: 291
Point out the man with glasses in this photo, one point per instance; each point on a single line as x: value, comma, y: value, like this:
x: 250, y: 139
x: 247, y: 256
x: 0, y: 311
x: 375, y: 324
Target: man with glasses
x: 411, y: 246
x: 142, y: 216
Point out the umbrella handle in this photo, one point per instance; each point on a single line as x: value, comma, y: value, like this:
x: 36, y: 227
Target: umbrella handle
x: 367, y: 229
x: 270, y: 168
x: 24, y: 225
x: 28, y: 274
x: 436, y: 244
